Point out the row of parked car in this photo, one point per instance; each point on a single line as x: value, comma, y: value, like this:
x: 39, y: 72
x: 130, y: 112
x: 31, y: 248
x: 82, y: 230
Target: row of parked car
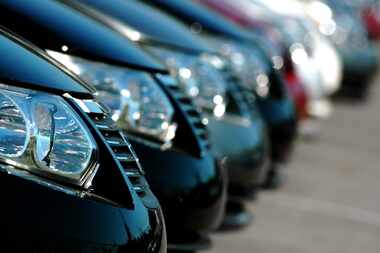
x: 145, y: 125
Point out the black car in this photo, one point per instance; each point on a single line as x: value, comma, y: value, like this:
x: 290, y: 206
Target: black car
x: 238, y: 134
x: 272, y: 98
x: 52, y: 201
x: 167, y: 130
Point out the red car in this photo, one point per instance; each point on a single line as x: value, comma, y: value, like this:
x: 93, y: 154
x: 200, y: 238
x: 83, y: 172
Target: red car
x: 371, y: 18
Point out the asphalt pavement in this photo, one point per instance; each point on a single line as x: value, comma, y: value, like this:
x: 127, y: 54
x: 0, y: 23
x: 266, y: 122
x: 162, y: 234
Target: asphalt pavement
x: 330, y: 202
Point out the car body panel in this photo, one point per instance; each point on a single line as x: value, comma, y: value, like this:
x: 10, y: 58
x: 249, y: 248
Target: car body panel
x: 202, y: 189
x: 196, y: 15
x: 63, y: 31
x: 150, y: 29
x: 71, y: 222
x: 243, y: 148
x: 21, y: 67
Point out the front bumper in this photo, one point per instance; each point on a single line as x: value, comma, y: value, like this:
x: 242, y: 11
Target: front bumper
x: 38, y: 218
x: 359, y: 67
x: 242, y: 147
x: 280, y: 116
x: 191, y: 191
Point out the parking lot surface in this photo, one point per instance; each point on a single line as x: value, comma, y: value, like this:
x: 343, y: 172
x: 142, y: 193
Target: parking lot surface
x: 331, y: 200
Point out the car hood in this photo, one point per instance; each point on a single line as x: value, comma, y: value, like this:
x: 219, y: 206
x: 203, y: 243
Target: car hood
x: 153, y: 25
x: 26, y: 66
x: 55, y: 26
x: 197, y: 14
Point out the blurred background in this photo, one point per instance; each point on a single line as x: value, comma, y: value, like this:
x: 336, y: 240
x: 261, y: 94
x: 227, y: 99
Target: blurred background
x: 329, y: 202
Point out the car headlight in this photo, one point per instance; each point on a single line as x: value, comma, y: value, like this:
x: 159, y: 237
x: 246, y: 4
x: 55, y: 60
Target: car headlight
x: 137, y: 102
x: 42, y: 134
x: 199, y: 77
x: 246, y: 65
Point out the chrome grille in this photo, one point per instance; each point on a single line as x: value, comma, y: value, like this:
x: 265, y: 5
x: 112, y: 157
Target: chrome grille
x: 189, y: 109
x: 116, y: 141
x: 245, y: 98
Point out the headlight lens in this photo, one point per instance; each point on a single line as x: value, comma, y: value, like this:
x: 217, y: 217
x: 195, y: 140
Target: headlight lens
x: 40, y: 133
x: 137, y: 102
x: 199, y: 77
x: 246, y: 64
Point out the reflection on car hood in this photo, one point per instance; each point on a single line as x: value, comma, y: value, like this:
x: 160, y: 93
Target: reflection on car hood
x: 55, y: 26
x: 22, y: 65
x: 152, y: 24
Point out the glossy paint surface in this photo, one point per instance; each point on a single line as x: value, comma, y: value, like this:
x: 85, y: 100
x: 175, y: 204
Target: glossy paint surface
x: 234, y: 11
x: 201, y: 18
x: 53, y: 25
x: 21, y: 66
x: 191, y: 190
x: 245, y: 149
x: 282, y: 123
x: 135, y: 14
x: 360, y: 66
x: 55, y: 219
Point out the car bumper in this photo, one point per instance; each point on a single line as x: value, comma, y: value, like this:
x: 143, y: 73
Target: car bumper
x: 283, y: 136
x: 243, y: 149
x: 191, y: 191
x: 280, y: 116
x: 36, y: 217
x: 359, y: 67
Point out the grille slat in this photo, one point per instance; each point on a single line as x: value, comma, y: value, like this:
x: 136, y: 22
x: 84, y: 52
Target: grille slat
x: 125, y: 157
x: 101, y: 126
x: 189, y: 108
x: 245, y: 98
x: 114, y: 142
x: 121, y: 150
x: 140, y: 190
x: 133, y: 173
